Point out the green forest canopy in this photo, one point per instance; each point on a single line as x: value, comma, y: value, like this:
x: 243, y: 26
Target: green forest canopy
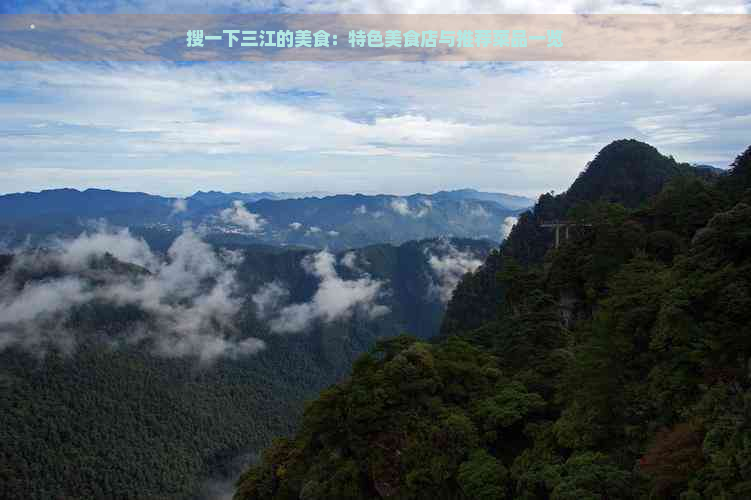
x: 616, y: 366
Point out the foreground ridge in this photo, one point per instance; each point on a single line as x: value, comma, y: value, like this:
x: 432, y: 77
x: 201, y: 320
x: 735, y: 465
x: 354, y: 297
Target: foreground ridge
x: 614, y: 365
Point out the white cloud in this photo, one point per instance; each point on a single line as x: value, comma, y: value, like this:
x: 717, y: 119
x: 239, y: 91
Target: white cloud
x: 269, y: 298
x: 349, y: 261
x: 334, y: 299
x: 35, y: 300
x: 479, y: 211
x: 361, y: 210
x: 313, y: 230
x: 401, y: 207
x: 424, y: 209
x: 180, y: 205
x: 449, y: 265
x: 476, y: 124
x: 191, y: 298
x: 333, y: 233
x: 295, y: 226
x: 74, y: 254
x: 238, y: 215
x: 28, y: 317
x: 508, y: 224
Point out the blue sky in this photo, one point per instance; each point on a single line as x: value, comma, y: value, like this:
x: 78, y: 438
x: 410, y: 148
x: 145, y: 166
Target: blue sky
x: 394, y: 127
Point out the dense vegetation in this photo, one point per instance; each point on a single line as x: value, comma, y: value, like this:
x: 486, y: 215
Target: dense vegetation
x: 104, y: 422
x: 616, y: 366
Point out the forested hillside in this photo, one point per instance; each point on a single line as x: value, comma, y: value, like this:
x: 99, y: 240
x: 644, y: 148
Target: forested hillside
x: 96, y: 405
x: 614, y: 366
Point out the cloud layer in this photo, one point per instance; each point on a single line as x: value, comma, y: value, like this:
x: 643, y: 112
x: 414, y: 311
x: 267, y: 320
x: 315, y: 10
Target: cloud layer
x: 190, y: 298
x: 516, y: 127
x: 508, y: 225
x: 179, y: 206
x: 238, y: 215
x: 335, y: 298
x: 449, y: 265
x: 402, y: 207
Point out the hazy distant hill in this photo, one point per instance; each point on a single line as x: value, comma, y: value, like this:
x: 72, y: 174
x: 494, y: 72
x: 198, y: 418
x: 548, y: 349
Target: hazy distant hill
x: 505, y: 200
x: 336, y: 222
x: 217, y: 198
x: 60, y: 204
x: 345, y: 221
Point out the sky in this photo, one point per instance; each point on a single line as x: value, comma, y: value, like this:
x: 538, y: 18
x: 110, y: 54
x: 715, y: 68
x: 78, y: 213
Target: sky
x: 371, y: 127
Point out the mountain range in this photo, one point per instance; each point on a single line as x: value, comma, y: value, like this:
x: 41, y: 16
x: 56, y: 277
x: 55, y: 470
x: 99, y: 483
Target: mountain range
x: 156, y: 353
x: 337, y: 222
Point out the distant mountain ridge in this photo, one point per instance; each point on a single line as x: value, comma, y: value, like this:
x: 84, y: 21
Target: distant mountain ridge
x: 67, y: 201
x: 337, y: 222
x: 59, y: 200
x: 220, y: 197
x: 506, y: 200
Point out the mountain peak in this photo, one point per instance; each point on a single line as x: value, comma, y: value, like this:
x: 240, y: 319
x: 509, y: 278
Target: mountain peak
x: 625, y: 171
x: 633, y: 144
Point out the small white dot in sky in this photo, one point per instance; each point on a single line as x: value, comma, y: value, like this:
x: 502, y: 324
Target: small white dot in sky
x: 31, y: 26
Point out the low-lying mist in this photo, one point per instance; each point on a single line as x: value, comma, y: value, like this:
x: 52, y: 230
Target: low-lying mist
x: 189, y: 296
